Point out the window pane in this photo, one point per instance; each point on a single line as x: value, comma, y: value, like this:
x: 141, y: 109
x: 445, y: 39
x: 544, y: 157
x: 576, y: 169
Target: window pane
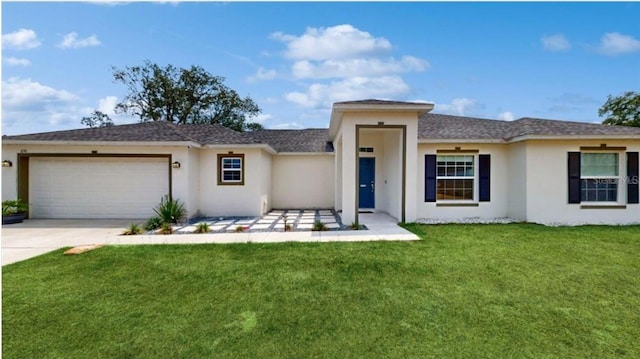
x: 599, y: 190
x: 452, y: 189
x: 455, y: 166
x: 231, y: 163
x: 231, y: 176
x: 599, y: 164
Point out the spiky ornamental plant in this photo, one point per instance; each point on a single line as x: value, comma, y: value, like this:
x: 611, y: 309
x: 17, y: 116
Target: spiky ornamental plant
x: 170, y: 210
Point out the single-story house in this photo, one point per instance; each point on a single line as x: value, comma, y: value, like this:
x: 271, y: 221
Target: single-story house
x: 387, y: 156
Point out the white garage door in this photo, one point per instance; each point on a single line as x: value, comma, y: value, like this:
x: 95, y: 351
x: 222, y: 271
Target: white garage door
x: 96, y: 187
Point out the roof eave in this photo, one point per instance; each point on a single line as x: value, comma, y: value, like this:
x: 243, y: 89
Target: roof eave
x: 249, y: 145
x: 325, y: 153
x: 101, y: 143
x: 460, y: 140
x: 572, y: 137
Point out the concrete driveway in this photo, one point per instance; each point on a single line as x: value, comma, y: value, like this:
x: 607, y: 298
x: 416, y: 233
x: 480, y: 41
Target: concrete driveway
x: 34, y: 237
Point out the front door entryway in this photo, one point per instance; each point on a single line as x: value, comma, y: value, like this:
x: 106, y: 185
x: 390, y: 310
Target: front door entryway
x: 366, y: 183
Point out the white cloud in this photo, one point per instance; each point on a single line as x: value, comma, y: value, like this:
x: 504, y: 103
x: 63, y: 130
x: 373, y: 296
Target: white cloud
x: 22, y: 39
x: 107, y: 105
x: 71, y: 41
x: 357, y: 67
x: 347, y: 89
x: 25, y: 94
x: 345, y: 63
x: 614, y: 43
x: 29, y: 106
x: 14, y: 61
x: 263, y: 75
x: 458, y: 106
x: 337, y: 42
x: 555, y: 42
x: 506, y: 116
x: 261, y: 118
x: 287, y: 126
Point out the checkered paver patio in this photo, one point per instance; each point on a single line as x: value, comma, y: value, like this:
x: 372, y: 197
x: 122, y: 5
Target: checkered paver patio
x: 274, y: 221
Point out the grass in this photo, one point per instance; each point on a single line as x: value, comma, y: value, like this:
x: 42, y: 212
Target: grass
x: 466, y: 291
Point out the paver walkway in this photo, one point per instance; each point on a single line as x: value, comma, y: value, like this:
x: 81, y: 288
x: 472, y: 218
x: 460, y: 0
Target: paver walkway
x: 300, y: 220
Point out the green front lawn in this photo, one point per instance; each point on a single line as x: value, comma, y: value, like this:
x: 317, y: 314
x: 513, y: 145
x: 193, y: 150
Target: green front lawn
x: 466, y: 291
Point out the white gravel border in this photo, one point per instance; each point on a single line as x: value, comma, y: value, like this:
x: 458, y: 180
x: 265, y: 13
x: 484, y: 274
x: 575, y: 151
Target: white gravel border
x: 467, y: 220
x: 506, y: 220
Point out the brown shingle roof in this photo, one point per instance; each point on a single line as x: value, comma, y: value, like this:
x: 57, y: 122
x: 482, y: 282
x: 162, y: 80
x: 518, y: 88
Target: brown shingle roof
x: 446, y: 127
x: 430, y: 127
x: 309, y: 140
x: 145, y: 131
x: 543, y: 127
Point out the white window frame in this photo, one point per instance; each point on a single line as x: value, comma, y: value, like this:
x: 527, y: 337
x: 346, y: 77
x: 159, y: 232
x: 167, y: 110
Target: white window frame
x: 474, y: 178
x: 222, y: 170
x: 619, y: 178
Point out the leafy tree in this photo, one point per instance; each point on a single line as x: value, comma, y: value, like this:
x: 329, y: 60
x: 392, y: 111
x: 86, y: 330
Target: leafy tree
x: 622, y: 110
x: 97, y: 119
x: 183, y: 96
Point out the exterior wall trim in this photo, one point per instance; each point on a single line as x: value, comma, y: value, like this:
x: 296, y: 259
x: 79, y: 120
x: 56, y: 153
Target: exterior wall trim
x: 603, y: 147
x: 457, y: 150
x: 403, y: 191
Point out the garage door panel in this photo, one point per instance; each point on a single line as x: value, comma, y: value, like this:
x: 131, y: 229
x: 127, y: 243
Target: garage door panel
x: 96, y: 187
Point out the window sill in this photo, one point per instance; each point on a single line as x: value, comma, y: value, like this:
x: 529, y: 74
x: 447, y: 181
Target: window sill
x: 457, y: 204
x: 230, y: 183
x: 603, y: 206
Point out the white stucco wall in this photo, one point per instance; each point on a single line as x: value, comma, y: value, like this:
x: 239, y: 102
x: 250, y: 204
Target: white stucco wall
x: 180, y: 178
x: 517, y: 182
x: 232, y: 200
x: 303, y: 181
x: 392, y: 174
x: 496, y: 208
x: 547, y: 185
x: 266, y: 198
x: 337, y: 183
x: 193, y: 188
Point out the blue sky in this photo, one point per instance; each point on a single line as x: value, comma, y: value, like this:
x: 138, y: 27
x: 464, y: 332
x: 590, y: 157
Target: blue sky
x: 490, y: 60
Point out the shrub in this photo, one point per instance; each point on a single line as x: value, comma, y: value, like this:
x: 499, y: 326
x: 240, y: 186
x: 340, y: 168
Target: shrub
x: 153, y: 223
x: 166, y: 228
x: 356, y: 226
x: 202, y: 228
x: 133, y: 229
x: 170, y: 210
x: 241, y: 229
x: 319, y: 226
x: 13, y: 206
x: 287, y: 226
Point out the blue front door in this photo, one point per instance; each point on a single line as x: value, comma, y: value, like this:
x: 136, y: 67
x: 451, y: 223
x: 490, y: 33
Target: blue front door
x: 367, y: 184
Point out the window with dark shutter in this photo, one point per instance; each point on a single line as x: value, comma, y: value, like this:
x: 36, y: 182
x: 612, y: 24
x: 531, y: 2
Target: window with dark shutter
x: 633, y: 177
x: 574, y: 177
x: 484, y: 174
x: 430, y: 178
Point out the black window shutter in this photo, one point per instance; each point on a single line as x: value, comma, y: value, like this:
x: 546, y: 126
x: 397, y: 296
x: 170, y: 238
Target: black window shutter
x: 574, y: 177
x: 429, y: 178
x: 484, y: 171
x: 632, y: 177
